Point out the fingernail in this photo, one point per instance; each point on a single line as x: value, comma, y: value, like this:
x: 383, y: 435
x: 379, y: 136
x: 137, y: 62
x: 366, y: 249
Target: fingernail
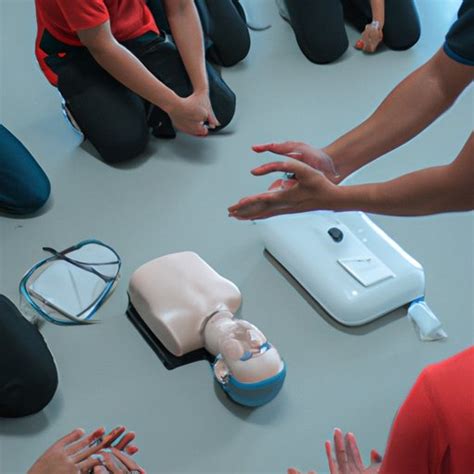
x: 107, y: 450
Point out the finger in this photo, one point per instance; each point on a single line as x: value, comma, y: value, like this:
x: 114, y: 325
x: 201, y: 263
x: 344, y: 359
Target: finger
x: 131, y: 450
x: 353, y: 452
x: 331, y: 463
x: 100, y: 470
x: 360, y: 44
x: 71, y: 437
x: 282, y: 184
x: 125, y: 440
x: 340, y: 448
x: 111, y: 464
x: 129, y: 463
x: 107, y: 441
x: 292, y: 470
x: 277, y: 148
x: 369, y: 48
x: 213, y: 122
x: 296, y: 167
x: 258, y: 203
x: 375, y: 457
x: 86, y: 441
x: 199, y: 130
x: 90, y: 463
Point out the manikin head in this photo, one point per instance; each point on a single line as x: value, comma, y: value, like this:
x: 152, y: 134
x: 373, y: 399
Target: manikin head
x: 247, y: 366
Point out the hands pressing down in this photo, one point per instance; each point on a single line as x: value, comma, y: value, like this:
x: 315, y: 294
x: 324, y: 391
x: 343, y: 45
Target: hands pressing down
x: 194, y: 115
x: 371, y: 38
x: 77, y: 453
x: 311, y: 183
x: 348, y: 459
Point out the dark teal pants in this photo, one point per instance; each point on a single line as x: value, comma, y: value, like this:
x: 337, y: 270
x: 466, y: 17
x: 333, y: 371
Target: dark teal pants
x: 24, y: 187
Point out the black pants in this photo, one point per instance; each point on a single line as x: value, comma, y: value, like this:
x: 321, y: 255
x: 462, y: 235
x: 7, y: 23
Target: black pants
x: 320, y: 31
x: 28, y: 376
x: 116, y: 120
x: 224, y: 26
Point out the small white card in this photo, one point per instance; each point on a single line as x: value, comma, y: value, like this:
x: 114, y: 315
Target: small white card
x: 367, y: 269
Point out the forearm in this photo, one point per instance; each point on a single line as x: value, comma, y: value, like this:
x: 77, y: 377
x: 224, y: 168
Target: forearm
x: 420, y: 193
x: 428, y: 191
x: 378, y: 11
x: 415, y: 103
x: 187, y: 33
x: 127, y: 69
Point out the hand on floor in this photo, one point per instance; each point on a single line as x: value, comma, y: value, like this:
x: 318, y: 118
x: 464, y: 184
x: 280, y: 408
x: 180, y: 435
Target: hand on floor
x: 371, y: 37
x: 117, y: 462
x: 191, y: 114
x: 69, y: 455
x: 77, y: 453
x: 305, y: 189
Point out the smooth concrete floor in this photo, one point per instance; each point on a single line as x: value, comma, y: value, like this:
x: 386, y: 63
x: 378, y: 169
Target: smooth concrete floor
x: 175, y: 198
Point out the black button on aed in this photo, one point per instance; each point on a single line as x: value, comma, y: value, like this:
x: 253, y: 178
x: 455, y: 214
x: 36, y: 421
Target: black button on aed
x: 336, y: 234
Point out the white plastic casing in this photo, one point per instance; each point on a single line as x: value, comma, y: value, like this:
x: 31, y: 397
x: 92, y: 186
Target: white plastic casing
x: 356, y: 280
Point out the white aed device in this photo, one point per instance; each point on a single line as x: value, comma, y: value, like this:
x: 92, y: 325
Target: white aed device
x: 350, y: 266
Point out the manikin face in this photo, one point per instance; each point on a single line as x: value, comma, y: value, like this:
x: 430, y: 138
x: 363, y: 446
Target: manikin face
x: 246, y: 354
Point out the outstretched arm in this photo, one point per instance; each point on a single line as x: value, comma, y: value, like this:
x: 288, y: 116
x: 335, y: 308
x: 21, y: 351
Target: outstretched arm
x: 428, y: 191
x: 433, y: 190
x: 415, y: 103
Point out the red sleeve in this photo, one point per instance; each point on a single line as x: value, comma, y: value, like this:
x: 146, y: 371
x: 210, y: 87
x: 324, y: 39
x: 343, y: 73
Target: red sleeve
x: 83, y: 14
x: 415, y: 442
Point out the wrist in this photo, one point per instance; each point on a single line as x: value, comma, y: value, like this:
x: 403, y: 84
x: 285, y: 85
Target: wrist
x: 341, y: 167
x: 201, y: 89
x: 357, y: 198
x: 170, y: 103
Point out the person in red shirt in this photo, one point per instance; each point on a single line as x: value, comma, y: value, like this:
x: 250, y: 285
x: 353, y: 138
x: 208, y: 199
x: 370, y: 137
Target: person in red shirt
x: 120, y: 74
x: 433, y: 432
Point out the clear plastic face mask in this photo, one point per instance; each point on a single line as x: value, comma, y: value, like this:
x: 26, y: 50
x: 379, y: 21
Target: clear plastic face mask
x: 70, y: 286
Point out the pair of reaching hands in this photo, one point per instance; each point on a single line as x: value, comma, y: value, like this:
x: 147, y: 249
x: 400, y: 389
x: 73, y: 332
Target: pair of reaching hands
x: 347, y: 458
x: 194, y: 115
x: 311, y: 183
x: 97, y: 453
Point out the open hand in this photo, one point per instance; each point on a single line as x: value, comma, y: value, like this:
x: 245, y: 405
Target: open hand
x: 348, y: 459
x: 77, y: 453
x: 305, y: 189
x: 69, y: 455
x: 371, y: 37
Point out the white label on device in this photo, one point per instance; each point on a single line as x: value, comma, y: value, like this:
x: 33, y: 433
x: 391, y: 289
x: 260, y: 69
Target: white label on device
x: 367, y: 269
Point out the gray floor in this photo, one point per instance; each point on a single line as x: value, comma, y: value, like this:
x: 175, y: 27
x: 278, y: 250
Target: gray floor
x: 175, y: 199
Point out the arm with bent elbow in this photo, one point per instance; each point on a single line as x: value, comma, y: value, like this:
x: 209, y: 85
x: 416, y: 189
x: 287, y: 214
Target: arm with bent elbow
x: 126, y: 68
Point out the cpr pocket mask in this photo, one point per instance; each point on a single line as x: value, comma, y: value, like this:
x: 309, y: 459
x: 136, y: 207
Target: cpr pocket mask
x: 71, y: 285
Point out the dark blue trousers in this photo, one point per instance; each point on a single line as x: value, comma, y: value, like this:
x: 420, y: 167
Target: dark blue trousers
x: 24, y: 187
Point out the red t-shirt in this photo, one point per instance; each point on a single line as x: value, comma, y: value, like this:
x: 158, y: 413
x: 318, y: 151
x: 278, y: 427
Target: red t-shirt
x: 62, y: 19
x: 433, y: 432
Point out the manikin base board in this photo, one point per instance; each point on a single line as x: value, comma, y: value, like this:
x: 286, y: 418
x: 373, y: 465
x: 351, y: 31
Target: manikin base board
x: 169, y: 360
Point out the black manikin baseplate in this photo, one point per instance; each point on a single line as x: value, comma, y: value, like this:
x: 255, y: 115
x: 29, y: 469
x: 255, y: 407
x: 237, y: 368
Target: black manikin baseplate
x: 169, y: 360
